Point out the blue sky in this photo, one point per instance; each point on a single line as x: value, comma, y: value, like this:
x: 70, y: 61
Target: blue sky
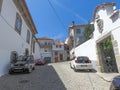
x: 49, y: 25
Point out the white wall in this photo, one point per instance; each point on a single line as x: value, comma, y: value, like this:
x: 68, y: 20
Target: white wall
x: 88, y: 49
x: 104, y: 14
x: 37, y: 51
x: 116, y: 34
x: 42, y: 50
x: 58, y: 48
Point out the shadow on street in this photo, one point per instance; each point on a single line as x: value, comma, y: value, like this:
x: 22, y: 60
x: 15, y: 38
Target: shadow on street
x: 42, y: 78
x: 87, y: 71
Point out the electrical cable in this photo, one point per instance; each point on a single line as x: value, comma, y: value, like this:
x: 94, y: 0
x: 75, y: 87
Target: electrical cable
x: 56, y: 14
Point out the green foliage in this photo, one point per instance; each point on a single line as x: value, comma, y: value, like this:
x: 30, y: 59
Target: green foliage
x: 107, y: 45
x: 88, y: 31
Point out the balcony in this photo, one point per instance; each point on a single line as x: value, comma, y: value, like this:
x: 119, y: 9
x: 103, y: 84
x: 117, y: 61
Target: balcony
x: 45, y: 46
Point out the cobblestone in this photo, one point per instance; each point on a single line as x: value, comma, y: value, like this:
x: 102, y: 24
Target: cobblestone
x: 55, y: 76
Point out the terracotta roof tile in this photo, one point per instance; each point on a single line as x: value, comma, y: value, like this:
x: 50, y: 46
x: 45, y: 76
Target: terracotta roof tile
x: 44, y: 38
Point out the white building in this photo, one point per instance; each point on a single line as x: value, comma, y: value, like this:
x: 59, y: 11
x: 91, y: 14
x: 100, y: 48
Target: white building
x: 107, y: 29
x: 76, y: 36
x: 17, y: 32
x: 104, y: 46
x: 58, y: 51
x: 45, y: 48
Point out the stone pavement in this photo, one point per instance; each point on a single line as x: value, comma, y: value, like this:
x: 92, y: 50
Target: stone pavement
x: 107, y: 76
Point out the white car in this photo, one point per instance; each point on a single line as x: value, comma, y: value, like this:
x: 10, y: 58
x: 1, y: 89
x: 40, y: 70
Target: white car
x: 81, y: 63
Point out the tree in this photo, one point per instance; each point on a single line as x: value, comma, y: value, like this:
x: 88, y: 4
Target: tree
x: 88, y: 31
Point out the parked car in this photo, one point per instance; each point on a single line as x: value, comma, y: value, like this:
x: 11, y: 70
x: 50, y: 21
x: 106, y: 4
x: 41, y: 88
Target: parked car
x: 40, y: 62
x: 115, y: 84
x: 81, y: 63
x: 23, y: 64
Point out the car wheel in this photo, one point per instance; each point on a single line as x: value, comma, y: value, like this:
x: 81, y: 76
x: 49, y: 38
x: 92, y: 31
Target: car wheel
x: 33, y: 68
x: 29, y: 70
x: 70, y: 66
x: 111, y: 87
x: 75, y: 69
x: 90, y: 70
x: 10, y: 72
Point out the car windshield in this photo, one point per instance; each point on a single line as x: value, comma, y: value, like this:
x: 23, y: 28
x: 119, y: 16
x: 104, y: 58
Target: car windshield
x: 82, y: 59
x: 20, y: 58
x: 28, y: 58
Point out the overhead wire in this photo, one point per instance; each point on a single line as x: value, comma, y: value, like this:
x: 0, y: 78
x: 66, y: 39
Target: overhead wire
x: 54, y: 10
x: 5, y: 20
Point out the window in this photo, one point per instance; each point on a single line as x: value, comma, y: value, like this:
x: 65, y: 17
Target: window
x: 45, y: 50
x: 78, y: 31
x: 56, y: 46
x: 45, y: 43
x: 28, y: 36
x: 18, y: 23
x: 56, y: 53
x: 59, y: 46
x: 33, y: 46
x: 1, y: 4
x: 49, y: 43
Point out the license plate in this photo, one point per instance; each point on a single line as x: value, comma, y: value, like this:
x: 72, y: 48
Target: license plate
x: 18, y: 68
x: 83, y: 65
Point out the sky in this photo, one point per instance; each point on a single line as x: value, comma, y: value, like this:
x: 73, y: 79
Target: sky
x: 52, y: 18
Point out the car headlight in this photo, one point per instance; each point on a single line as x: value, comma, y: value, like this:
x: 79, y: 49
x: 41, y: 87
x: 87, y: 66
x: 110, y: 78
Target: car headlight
x: 11, y: 65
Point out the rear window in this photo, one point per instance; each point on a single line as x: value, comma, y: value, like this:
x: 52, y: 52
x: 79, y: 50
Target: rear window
x: 82, y: 59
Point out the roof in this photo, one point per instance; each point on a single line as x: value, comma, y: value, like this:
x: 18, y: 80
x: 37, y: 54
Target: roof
x: 58, y: 42
x: 78, y: 25
x: 101, y: 6
x: 44, y: 38
x: 115, y: 13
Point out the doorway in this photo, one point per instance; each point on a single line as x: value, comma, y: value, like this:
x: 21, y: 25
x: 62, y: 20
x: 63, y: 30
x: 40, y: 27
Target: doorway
x: 61, y: 57
x: 107, y: 56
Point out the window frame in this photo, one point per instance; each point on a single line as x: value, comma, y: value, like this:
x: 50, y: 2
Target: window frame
x: 28, y: 37
x: 56, y: 53
x: 78, y: 31
x: 60, y: 46
x: 33, y: 46
x: 45, y: 50
x: 56, y: 46
x: 1, y: 2
x: 18, y: 28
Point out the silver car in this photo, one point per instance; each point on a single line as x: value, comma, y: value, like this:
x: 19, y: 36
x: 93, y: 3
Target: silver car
x: 23, y: 64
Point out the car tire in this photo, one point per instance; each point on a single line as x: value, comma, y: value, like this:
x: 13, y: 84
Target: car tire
x: 111, y: 87
x: 70, y: 66
x: 33, y: 68
x: 29, y: 70
x: 10, y: 72
x: 75, y: 69
x: 90, y: 70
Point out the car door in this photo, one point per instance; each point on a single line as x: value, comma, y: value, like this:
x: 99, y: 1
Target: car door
x: 32, y: 62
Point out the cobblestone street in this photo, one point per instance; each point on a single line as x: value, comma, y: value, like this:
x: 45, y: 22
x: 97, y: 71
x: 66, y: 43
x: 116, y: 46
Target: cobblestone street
x: 56, y: 76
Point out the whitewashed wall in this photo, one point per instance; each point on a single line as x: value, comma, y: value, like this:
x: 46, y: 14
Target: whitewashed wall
x: 42, y: 50
x: 37, y: 51
x: 104, y: 14
x: 58, y: 49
